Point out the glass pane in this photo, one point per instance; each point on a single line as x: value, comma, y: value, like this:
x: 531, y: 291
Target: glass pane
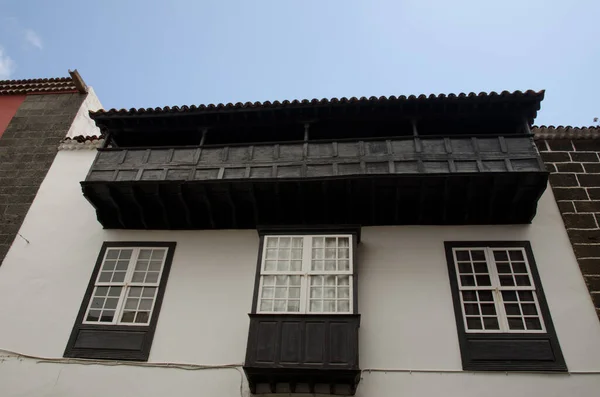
x: 329, y: 306
x: 118, y: 277
x: 122, y: 265
x: 478, y: 255
x: 329, y: 292
x: 138, y: 277
x: 316, y: 292
x: 128, y: 317
x: 509, y: 296
x: 107, y: 316
x: 343, y: 306
x: 296, y: 254
x: 293, y: 306
x: 270, y: 265
x: 114, y: 291
x: 318, y: 254
x: 500, y: 256
x: 294, y: 293
x: 296, y: 266
x: 529, y: 309
x: 343, y: 253
x: 131, y: 304
x: 469, y: 296
x: 271, y: 241
x: 512, y: 309
x: 318, y: 242
x: 284, y: 254
x: 112, y: 254
x: 142, y: 317
x: 491, y: 323
x: 93, y: 315
x: 471, y: 308
x: 485, y: 296
x: 344, y: 265
x: 280, y: 306
x: 109, y: 265
x: 267, y: 292
x: 533, y: 323
x: 97, y: 303
x: 316, y: 306
x: 503, y: 268
x: 281, y: 280
x: 526, y: 296
x: 343, y: 292
x: 467, y: 281
x: 462, y: 256
x: 271, y: 254
x: 295, y: 280
x: 266, y: 305
x: 522, y: 280
x: 516, y: 255
x: 284, y: 242
x: 330, y: 242
x: 145, y: 254
x: 343, y: 280
x: 297, y: 242
x: 480, y: 267
x: 506, y: 281
x: 141, y: 266
x: 483, y: 280
x: 101, y: 291
x: 330, y: 253
x: 330, y: 280
x: 148, y: 292
x: 317, y: 265
x: 330, y: 266
x: 111, y: 303
x: 145, y: 304
x: 281, y: 292
x: 519, y: 267
x: 283, y: 266
x: 105, y: 277
x: 135, y: 291
x: 152, y: 277
x: 158, y: 255
x: 515, y: 323
x: 316, y: 280
x: 474, y: 323
x: 464, y: 267
x: 488, y: 309
x: 268, y: 280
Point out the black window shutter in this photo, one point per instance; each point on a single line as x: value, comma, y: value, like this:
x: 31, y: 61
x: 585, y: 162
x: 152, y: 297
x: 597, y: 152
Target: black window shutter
x: 506, y: 351
x: 117, y: 342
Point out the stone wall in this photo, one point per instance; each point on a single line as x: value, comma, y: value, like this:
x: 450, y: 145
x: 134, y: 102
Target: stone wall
x: 574, y: 164
x: 27, y: 149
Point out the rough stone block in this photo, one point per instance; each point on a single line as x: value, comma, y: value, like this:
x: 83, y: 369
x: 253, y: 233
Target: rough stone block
x: 589, y: 180
x: 570, y: 167
x: 584, y: 157
x: 579, y: 221
x: 569, y: 193
x: 560, y: 145
x: 564, y: 180
x: 555, y: 157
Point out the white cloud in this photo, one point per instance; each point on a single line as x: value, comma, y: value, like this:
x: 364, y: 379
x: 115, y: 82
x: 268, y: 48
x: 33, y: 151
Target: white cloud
x: 7, y: 65
x: 32, y: 38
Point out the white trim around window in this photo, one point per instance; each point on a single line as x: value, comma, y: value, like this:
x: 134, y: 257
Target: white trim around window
x: 302, y: 274
x: 126, y: 287
x: 497, y: 291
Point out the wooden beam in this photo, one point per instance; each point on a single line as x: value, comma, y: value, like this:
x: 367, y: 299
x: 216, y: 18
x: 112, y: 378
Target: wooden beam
x: 184, y: 204
x: 113, y: 201
x: 78, y: 81
x: 140, y: 207
x: 208, y: 205
x: 160, y: 198
x: 469, y: 193
x: 445, y: 196
x: 229, y: 198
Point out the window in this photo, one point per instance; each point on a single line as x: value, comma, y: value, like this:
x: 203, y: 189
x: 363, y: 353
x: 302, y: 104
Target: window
x: 126, y: 286
x: 501, y: 312
x: 306, y: 274
x: 120, y: 309
x: 497, y: 291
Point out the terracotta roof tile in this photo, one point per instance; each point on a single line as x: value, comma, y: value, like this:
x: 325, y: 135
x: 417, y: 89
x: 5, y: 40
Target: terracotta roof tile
x: 566, y: 132
x: 50, y: 85
x: 221, y: 107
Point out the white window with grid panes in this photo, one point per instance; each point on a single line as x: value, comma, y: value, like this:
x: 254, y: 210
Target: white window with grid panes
x: 126, y: 287
x: 497, y: 292
x: 306, y: 274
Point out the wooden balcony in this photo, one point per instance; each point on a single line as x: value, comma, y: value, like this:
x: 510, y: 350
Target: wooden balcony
x: 303, y: 353
x: 391, y: 181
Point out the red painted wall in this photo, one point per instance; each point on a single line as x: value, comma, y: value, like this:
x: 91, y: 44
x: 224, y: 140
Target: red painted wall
x: 8, y: 107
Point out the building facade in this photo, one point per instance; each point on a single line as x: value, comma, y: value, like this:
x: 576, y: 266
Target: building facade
x: 374, y: 247
x: 35, y: 115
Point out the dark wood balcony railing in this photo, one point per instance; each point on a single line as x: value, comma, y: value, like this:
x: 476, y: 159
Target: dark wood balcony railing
x: 444, y: 180
x: 303, y: 351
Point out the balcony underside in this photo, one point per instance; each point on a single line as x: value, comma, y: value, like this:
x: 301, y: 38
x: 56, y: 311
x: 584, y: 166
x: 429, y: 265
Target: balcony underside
x: 432, y: 199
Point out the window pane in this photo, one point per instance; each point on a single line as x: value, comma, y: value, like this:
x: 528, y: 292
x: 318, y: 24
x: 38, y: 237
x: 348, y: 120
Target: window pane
x: 500, y: 256
x: 483, y: 280
x: 526, y: 296
x: 519, y: 267
x: 490, y: 323
x: 128, y: 317
x: 145, y: 304
x: 114, y: 291
x: 533, y: 323
x: 267, y: 292
x: 93, y: 315
x: 516, y: 255
x: 111, y: 303
x: 280, y: 306
x: 284, y: 242
x: 268, y: 280
x: 145, y: 254
x: 112, y: 254
x: 142, y: 317
x: 488, y: 309
x: 266, y: 305
x: 294, y: 293
x: 109, y: 265
x: 474, y: 323
x: 509, y: 296
x: 512, y: 309
x: 480, y: 267
x: 506, y: 281
x: 271, y: 242
x: 329, y: 306
x: 107, y: 316
x: 503, y: 268
x: 485, y: 296
x: 463, y: 255
x: 529, y: 309
x: 465, y: 267
x: 515, y: 323
x: 477, y: 255
x: 138, y: 277
x: 469, y: 296
x: 293, y: 306
x: 471, y: 308
x: 467, y: 281
x: 105, y: 277
x: 316, y: 306
x: 522, y: 281
x: 343, y: 306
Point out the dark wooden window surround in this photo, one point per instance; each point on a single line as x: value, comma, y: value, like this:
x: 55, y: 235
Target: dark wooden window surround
x: 117, y: 342
x: 506, y: 351
x: 304, y: 350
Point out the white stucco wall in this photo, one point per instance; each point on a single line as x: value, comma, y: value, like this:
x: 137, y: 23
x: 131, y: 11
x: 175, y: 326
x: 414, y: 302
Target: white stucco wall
x: 82, y: 123
x: 404, y: 298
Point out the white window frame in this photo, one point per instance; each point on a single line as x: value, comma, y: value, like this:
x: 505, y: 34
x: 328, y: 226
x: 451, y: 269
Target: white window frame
x: 306, y: 272
x: 125, y: 285
x: 496, y: 290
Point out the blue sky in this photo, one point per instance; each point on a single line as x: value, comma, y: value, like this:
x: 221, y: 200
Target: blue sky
x: 155, y: 53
